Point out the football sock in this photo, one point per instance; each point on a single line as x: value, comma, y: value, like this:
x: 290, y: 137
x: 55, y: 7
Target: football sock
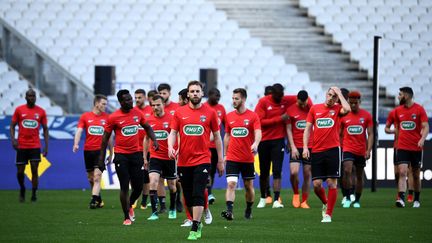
x: 153, y: 199
x: 410, y: 192
x: 294, y: 184
x: 206, y: 199
x: 332, y: 196
x: 144, y: 199
x: 276, y: 196
x: 172, y: 200
x: 20, y: 177
x: 230, y: 205
x: 162, y: 202
x: 402, y: 196
x: 263, y: 188
x: 357, y: 197
x: 95, y: 198
x: 249, y: 205
x: 209, y: 189
x: 320, y: 192
x: 188, y: 214
x: 417, y: 196
x: 34, y: 189
x: 305, y: 196
x: 195, y: 225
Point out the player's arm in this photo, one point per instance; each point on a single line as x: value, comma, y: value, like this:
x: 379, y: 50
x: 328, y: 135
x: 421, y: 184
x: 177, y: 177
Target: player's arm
x: 150, y: 134
x: 172, y: 153
x: 46, y: 137
x: 345, y: 106
x: 257, y: 140
x: 226, y: 141
x: 12, y: 134
x: 370, y: 140
x: 146, y: 143
x: 218, y: 143
x: 261, y: 112
x: 77, y: 139
x: 306, y: 134
x: 294, y: 151
x: 105, y: 137
x: 111, y: 148
x: 388, y: 129
x: 424, y: 132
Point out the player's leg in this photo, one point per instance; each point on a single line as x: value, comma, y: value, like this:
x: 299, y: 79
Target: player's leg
x: 277, y: 156
x: 396, y: 172
x: 122, y: 171
x: 214, y: 161
x: 318, y: 171
x: 169, y: 171
x: 20, y: 178
x: 410, y: 184
x: 179, y: 205
x: 162, y: 195
x: 416, y: 163
x: 136, y: 173
x: 402, y: 161
x: 232, y: 173
x: 332, y: 162
x: 294, y: 170
x: 200, y: 179
x: 307, y: 175
x: 331, y: 201
x: 348, y: 162
x: 248, y: 175
x: 264, y: 154
x: 145, y: 190
x: 154, y: 181
x: 35, y: 159
x: 359, y: 185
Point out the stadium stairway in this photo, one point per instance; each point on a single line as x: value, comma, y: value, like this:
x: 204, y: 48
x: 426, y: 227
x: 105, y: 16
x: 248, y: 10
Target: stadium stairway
x: 284, y: 26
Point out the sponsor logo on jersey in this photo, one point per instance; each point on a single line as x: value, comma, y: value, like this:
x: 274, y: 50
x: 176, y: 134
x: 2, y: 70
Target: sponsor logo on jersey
x: 128, y: 131
x: 324, y: 122
x: 219, y: 113
x: 161, y: 134
x: 135, y: 118
x: 355, y: 130
x: 37, y: 115
x: 28, y: 123
x: 165, y: 124
x: 301, y: 124
x: 414, y: 116
x: 193, y: 130
x: 332, y: 112
x: 95, y: 130
x: 239, y: 132
x: 362, y: 120
x: 408, y: 125
x: 246, y: 122
x: 103, y: 122
x: 203, y: 118
x: 172, y: 112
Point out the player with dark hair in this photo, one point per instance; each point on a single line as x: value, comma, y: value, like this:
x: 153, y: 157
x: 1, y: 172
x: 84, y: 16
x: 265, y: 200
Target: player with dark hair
x: 93, y: 123
x: 242, y: 137
x: 325, y: 156
x: 268, y: 90
x: 160, y: 163
x: 29, y: 118
x: 128, y: 160
x: 183, y: 98
x: 357, y: 146
x: 411, y: 129
x: 297, y: 122
x: 164, y: 90
x: 213, y: 101
x: 194, y: 123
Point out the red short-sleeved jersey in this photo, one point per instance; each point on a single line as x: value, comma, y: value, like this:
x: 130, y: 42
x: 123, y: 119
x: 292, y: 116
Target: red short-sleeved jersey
x: 221, y: 113
x: 326, y: 124
x: 161, y: 128
x: 171, y: 107
x: 125, y: 127
x: 94, y: 126
x: 29, y: 121
x: 194, y: 127
x: 297, y: 118
x: 409, y: 121
x: 141, y: 131
x: 354, y: 127
x: 241, y: 128
x: 391, y: 121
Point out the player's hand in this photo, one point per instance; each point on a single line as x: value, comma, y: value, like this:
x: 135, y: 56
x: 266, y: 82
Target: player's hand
x: 75, y: 148
x: 98, y: 171
x: 220, y: 167
x: 45, y: 152
x: 146, y: 163
x: 420, y: 143
x: 15, y: 144
x: 295, y: 153
x: 336, y: 90
x: 172, y: 153
x: 101, y: 166
x: 285, y: 117
x: 254, y: 148
x: 368, y: 155
x: 306, y: 153
x: 155, y: 145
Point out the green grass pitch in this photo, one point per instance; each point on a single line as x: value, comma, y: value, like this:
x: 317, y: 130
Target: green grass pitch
x: 63, y: 216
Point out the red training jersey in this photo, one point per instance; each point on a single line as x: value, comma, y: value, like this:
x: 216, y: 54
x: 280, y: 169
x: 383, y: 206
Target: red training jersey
x: 391, y: 121
x: 94, y: 126
x: 326, y: 123
x: 194, y: 127
x: 409, y: 121
x: 171, y: 107
x: 141, y: 131
x: 29, y: 121
x: 297, y: 118
x: 161, y: 128
x: 241, y: 128
x: 125, y: 126
x: 221, y: 113
x: 354, y: 127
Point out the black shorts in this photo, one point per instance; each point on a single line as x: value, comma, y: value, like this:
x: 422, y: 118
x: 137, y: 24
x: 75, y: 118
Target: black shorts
x: 247, y: 170
x: 91, y: 158
x: 301, y: 159
x: 326, y: 164
x: 165, y: 168
x: 413, y: 158
x: 25, y: 155
x: 214, y: 161
x: 271, y: 152
x: 129, y: 168
x: 194, y: 181
x: 359, y: 161
x: 146, y: 178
